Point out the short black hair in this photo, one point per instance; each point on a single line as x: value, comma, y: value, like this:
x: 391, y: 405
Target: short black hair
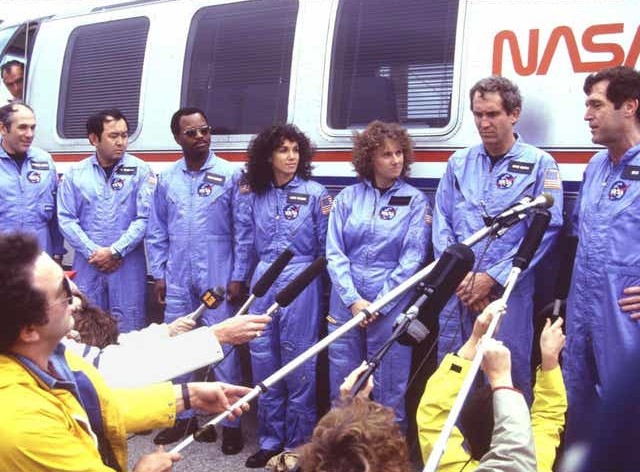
x: 184, y: 111
x: 259, y: 168
x: 6, y: 67
x: 624, y: 84
x: 21, y: 304
x: 95, y: 123
x: 7, y: 111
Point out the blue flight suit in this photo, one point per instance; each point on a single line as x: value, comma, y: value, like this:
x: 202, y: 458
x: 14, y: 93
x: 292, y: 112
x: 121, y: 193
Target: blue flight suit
x: 295, y: 217
x: 28, y: 198
x: 472, y: 188
x: 95, y: 211
x: 190, y: 243
x: 374, y: 242
x: 599, y: 334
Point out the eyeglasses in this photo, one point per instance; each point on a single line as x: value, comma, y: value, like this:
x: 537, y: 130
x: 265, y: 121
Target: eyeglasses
x: 66, y: 288
x: 193, y: 132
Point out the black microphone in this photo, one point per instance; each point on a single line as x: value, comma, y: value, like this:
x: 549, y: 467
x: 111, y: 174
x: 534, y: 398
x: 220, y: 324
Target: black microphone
x: 437, y: 287
x: 210, y: 299
x: 297, y: 285
x: 265, y: 282
x: 532, y: 239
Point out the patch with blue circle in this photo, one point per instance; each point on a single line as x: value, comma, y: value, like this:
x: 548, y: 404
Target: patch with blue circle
x: 117, y: 184
x: 291, y: 212
x: 387, y: 213
x: 34, y: 177
x: 205, y: 189
x: 617, y: 190
x: 505, y: 180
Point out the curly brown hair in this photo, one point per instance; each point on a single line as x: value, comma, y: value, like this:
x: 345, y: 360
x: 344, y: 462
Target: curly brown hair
x: 373, y: 137
x: 96, y: 327
x: 359, y: 435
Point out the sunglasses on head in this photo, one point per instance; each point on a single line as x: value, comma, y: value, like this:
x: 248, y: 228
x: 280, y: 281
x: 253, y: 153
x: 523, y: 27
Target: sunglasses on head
x: 193, y: 132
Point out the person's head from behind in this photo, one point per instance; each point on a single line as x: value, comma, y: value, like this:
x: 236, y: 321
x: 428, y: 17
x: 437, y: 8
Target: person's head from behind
x: 276, y: 155
x: 35, y: 296
x: 359, y: 436
x: 17, y: 128
x: 108, y: 132
x: 382, y: 153
x: 612, y: 103
x: 476, y: 421
x: 12, y: 73
x: 94, y: 326
x: 191, y: 130
x: 496, y: 104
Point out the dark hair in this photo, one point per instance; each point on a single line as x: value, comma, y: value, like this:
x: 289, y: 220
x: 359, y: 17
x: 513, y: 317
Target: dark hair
x: 373, y: 137
x: 7, y: 112
x: 21, y: 304
x: 95, y: 326
x: 184, y: 111
x: 6, y: 67
x: 95, y: 123
x: 359, y: 435
x: 508, y: 91
x: 259, y: 169
x: 476, y: 421
x: 624, y: 84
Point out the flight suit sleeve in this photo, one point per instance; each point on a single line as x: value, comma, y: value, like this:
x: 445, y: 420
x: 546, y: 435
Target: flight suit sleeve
x: 321, y: 219
x: 442, y: 231
x: 57, y: 241
x: 243, y: 229
x: 158, y: 232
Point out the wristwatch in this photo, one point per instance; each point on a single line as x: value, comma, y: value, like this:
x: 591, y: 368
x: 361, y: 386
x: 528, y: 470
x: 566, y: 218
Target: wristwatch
x: 115, y: 254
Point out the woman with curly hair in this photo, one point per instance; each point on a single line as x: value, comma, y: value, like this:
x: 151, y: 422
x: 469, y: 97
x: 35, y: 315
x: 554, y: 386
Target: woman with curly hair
x: 378, y: 234
x: 284, y: 209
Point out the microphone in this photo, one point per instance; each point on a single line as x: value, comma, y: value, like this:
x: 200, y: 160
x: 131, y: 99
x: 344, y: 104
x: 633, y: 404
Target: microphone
x: 210, y: 299
x: 544, y: 200
x: 532, y: 239
x: 438, y: 287
x: 265, y: 282
x: 297, y: 285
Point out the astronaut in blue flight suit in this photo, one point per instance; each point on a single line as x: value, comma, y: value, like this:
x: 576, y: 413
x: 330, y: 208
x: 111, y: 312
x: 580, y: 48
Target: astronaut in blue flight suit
x: 603, y: 308
x: 482, y: 181
x: 284, y: 210
x: 378, y: 234
x: 103, y: 208
x: 28, y: 181
x: 190, y: 243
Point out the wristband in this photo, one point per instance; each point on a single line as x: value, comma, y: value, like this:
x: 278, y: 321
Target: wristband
x: 186, y: 401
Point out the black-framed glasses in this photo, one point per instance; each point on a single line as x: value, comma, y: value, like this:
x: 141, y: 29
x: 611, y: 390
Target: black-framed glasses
x: 66, y: 288
x: 193, y: 132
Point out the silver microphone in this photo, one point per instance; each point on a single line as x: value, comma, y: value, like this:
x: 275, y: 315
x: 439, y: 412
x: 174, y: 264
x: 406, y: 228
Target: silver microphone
x: 544, y: 200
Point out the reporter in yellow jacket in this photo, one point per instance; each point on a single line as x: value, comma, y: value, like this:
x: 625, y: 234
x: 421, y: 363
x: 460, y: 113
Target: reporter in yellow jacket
x: 547, y: 412
x: 57, y: 412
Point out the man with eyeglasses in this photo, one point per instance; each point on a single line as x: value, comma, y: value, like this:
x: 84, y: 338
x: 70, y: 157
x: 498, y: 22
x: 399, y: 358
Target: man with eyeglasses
x: 103, y: 208
x: 190, y: 243
x: 57, y: 412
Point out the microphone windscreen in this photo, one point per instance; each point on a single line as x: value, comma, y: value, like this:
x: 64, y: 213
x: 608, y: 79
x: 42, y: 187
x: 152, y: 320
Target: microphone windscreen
x: 532, y: 239
x: 302, y: 280
x: 548, y: 200
x: 271, y: 274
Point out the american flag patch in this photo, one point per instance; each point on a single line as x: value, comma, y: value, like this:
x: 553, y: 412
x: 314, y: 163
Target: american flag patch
x: 326, y: 204
x: 552, y: 179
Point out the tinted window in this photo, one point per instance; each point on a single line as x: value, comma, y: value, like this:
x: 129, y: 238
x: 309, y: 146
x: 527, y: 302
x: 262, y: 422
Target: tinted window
x: 238, y: 64
x: 102, y: 69
x: 393, y: 60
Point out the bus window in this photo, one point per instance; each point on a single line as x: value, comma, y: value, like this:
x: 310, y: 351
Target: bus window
x: 393, y: 61
x: 102, y: 69
x: 16, y: 44
x: 238, y: 64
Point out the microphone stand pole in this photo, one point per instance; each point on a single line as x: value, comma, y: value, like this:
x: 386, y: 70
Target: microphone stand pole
x: 498, y: 227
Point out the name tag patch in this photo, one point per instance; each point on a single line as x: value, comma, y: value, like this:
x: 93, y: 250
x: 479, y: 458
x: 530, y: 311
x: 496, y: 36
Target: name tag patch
x: 631, y: 173
x: 520, y: 167
x: 214, y: 179
x: 298, y: 198
x: 126, y: 170
x: 399, y: 201
x: 39, y: 165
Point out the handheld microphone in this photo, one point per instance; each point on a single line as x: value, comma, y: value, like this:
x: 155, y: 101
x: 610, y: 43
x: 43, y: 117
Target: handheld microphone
x: 544, y: 200
x: 438, y: 287
x: 297, y: 285
x: 265, y: 282
x: 532, y: 239
x: 210, y: 299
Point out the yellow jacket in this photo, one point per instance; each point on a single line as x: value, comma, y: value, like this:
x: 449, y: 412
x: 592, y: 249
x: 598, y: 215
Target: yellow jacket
x: 43, y: 429
x: 547, y: 415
